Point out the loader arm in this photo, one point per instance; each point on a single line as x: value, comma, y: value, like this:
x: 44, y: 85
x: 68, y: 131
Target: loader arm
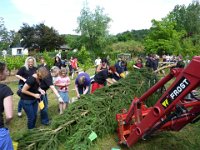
x: 171, y: 112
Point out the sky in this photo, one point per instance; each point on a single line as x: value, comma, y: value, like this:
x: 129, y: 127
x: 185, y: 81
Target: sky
x: 62, y: 15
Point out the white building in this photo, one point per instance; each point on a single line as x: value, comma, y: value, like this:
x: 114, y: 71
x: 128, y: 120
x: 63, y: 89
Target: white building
x: 19, y: 51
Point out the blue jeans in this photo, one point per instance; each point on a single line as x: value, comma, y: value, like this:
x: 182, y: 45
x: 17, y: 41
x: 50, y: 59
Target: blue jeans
x: 5, y: 140
x: 44, y: 112
x: 19, y: 109
x: 30, y: 107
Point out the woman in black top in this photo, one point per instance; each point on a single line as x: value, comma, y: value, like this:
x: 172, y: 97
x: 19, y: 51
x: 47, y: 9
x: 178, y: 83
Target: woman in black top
x: 24, y: 72
x: 58, y: 62
x: 100, y: 79
x: 6, y: 106
x: 45, y: 84
x: 31, y: 93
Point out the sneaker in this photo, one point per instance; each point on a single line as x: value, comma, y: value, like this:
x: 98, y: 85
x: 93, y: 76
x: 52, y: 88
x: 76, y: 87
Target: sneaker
x: 19, y: 114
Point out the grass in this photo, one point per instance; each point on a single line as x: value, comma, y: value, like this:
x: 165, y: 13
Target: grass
x: 186, y: 139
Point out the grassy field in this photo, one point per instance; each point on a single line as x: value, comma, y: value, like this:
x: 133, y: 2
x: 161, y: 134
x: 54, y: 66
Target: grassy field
x: 187, y: 139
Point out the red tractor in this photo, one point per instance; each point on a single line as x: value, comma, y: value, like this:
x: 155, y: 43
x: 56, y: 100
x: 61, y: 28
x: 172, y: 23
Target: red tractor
x: 171, y: 112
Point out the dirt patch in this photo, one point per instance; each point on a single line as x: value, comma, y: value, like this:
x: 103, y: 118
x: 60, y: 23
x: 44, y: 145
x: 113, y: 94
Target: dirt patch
x: 9, y: 79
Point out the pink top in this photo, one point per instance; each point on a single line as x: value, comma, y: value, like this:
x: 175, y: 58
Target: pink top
x: 62, y: 80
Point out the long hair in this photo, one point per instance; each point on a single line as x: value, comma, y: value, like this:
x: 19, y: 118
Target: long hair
x: 26, y: 62
x: 2, y: 67
x: 42, y: 72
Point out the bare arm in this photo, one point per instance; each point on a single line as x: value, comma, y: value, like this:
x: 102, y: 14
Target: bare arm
x: 8, y: 108
x: 21, y: 78
x: 109, y: 81
x: 86, y: 90
x: 52, y: 87
x: 98, y: 68
x: 134, y: 66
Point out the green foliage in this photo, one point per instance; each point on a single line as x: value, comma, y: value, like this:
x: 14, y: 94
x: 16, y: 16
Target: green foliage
x: 73, y: 41
x: 93, y: 28
x: 40, y: 37
x: 188, y: 22
x: 162, y: 37
x: 5, y: 36
x: 137, y: 35
x: 187, y: 18
x: 47, y: 56
x: 132, y: 47
x: 14, y: 62
x: 84, y: 59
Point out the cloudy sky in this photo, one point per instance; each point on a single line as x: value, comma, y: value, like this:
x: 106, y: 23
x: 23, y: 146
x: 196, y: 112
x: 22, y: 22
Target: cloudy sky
x: 62, y: 14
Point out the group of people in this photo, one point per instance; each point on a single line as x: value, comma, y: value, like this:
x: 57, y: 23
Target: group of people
x: 34, y: 81
x: 108, y: 74
x: 72, y: 64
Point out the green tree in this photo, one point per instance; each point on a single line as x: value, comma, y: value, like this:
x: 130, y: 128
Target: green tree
x: 41, y: 37
x: 84, y: 59
x: 4, y: 36
x: 125, y: 36
x: 187, y: 18
x: 93, y: 28
x: 136, y: 35
x: 73, y: 41
x: 133, y: 47
x: 163, y: 37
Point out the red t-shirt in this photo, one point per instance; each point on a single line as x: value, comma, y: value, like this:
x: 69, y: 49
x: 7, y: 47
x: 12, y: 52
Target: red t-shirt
x: 74, y: 63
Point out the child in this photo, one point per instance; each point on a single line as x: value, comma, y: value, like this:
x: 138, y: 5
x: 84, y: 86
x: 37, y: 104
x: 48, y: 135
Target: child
x: 54, y: 73
x: 62, y: 82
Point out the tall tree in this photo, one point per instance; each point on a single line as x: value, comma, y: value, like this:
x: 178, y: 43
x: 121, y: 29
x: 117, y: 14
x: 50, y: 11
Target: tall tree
x: 93, y: 28
x: 73, y: 41
x: 188, y: 19
x: 4, y: 36
x: 163, y: 38
x: 41, y: 37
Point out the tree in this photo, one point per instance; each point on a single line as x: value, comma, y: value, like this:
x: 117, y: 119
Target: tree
x: 136, y: 35
x: 15, y: 38
x: 40, y: 37
x: 93, y: 28
x: 163, y: 37
x: 4, y: 36
x: 133, y: 47
x: 187, y: 19
x: 73, y: 41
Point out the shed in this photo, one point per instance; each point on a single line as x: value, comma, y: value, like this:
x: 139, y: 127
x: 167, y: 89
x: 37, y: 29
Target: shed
x: 19, y: 50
